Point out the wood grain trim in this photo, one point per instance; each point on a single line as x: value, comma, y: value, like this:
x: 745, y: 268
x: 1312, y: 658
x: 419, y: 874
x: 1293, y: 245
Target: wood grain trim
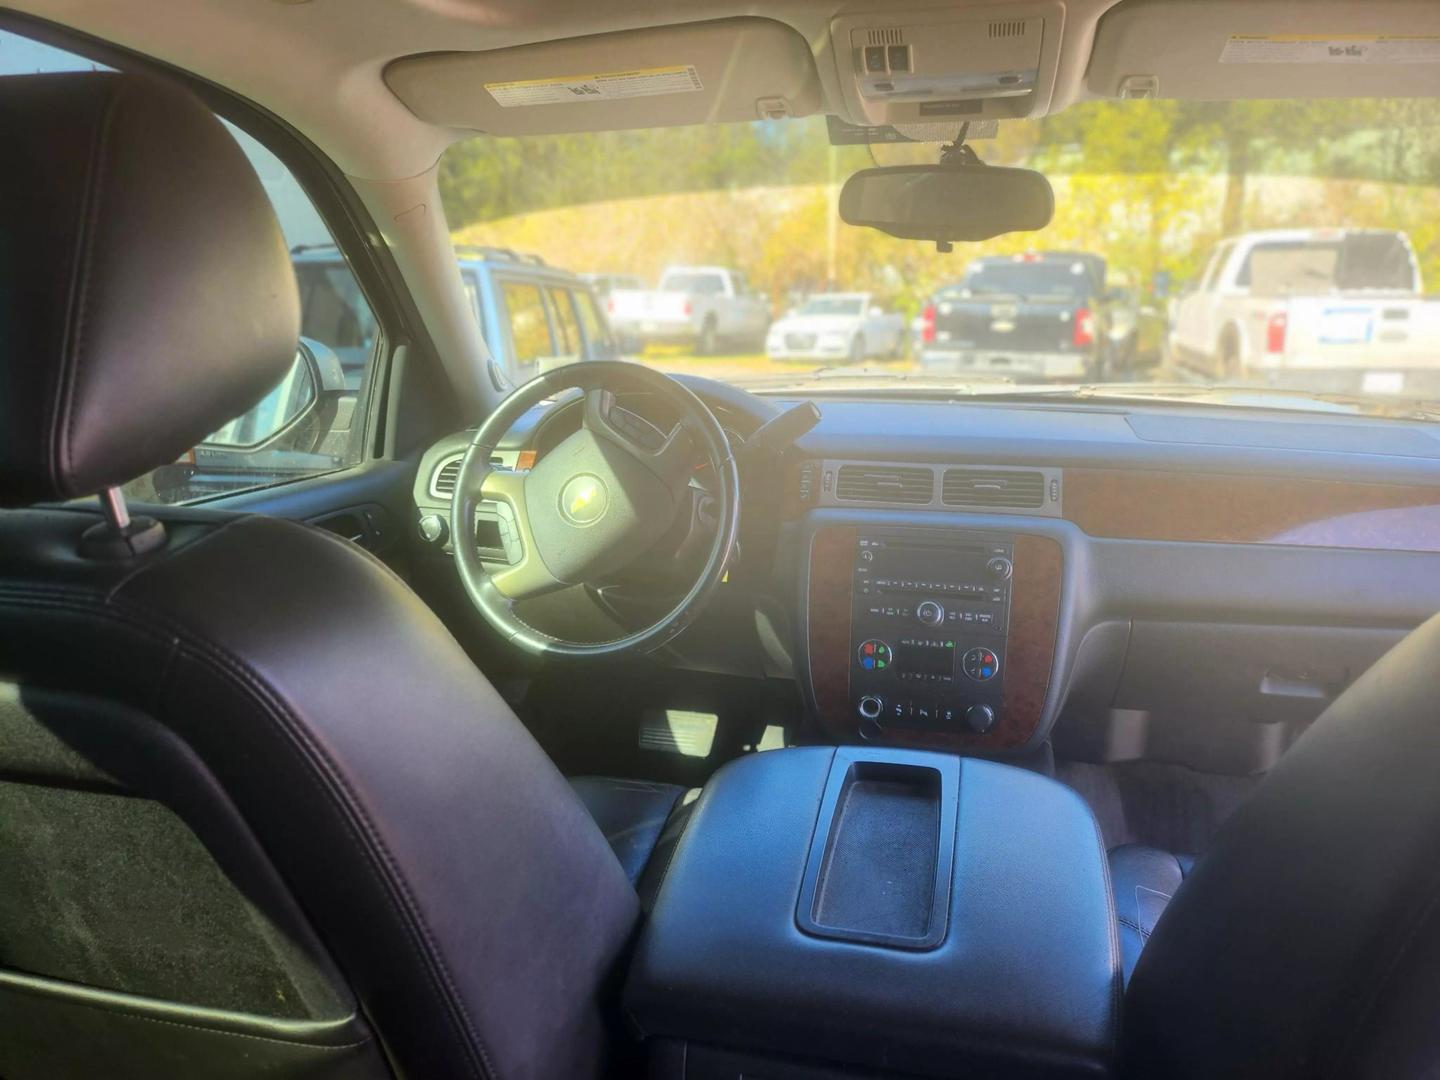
x: 1220, y: 508
x: 1030, y: 650
x: 832, y: 562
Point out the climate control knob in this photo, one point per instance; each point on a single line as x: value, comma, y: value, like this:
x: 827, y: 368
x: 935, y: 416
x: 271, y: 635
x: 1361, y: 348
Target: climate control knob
x: 871, y: 707
x: 1000, y: 568
x: 980, y: 719
x: 930, y: 613
x: 980, y: 664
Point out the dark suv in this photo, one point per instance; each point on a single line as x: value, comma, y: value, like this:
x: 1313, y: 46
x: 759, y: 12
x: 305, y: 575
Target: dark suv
x: 1034, y: 317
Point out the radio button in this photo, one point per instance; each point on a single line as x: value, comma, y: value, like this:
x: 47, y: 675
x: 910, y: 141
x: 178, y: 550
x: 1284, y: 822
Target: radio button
x: 930, y: 613
x: 999, y: 567
x: 898, y: 710
x: 871, y: 707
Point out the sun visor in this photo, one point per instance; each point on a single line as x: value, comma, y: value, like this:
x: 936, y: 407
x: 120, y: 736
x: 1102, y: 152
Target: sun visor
x: 709, y: 72
x: 1218, y: 50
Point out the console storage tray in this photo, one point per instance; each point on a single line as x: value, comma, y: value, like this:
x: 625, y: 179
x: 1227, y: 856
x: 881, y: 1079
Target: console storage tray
x: 908, y: 912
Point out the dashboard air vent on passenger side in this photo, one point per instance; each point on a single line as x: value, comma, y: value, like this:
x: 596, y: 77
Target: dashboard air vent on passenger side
x: 885, y: 484
x: 1002, y: 489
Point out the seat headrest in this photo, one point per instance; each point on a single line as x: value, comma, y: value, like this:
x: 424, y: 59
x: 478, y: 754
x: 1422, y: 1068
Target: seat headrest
x: 146, y: 293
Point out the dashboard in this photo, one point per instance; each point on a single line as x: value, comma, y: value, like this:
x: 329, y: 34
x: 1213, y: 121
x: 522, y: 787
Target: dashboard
x: 966, y: 574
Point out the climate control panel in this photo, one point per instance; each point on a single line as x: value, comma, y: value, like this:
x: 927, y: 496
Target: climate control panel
x: 928, y: 625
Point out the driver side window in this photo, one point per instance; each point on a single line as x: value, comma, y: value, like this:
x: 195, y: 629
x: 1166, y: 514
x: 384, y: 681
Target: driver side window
x: 313, y: 420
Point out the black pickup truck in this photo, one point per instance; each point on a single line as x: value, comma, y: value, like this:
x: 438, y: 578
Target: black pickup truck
x: 1036, y: 316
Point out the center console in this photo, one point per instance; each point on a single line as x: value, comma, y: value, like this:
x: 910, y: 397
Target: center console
x: 940, y: 637
x: 872, y: 912
x: 930, y: 613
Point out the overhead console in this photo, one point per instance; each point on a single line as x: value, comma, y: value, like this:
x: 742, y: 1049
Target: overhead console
x: 948, y: 64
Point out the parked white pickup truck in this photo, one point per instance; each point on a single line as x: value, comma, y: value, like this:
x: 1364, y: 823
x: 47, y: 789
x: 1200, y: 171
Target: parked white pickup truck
x: 837, y: 326
x: 699, y: 306
x: 1336, y: 310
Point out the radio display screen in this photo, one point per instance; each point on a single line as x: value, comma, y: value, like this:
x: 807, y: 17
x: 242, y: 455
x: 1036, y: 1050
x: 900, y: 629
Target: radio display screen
x: 913, y: 658
x: 921, y: 563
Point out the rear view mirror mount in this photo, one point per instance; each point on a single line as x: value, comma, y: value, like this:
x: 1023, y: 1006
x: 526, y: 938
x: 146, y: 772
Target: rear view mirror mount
x: 947, y: 202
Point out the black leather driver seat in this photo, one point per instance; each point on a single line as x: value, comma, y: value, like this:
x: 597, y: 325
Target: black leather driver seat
x: 259, y: 813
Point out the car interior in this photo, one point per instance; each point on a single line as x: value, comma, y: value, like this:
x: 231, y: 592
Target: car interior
x: 617, y: 722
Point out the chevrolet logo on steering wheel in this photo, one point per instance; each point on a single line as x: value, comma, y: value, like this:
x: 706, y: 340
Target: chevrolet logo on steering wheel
x: 584, y: 500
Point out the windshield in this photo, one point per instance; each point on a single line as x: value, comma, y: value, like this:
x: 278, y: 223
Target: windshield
x: 1275, y: 254
x: 833, y: 305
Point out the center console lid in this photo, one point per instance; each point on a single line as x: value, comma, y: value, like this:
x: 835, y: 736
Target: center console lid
x: 906, y: 912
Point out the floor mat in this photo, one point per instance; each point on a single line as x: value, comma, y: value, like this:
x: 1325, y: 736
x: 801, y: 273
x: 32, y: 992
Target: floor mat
x: 1166, y: 806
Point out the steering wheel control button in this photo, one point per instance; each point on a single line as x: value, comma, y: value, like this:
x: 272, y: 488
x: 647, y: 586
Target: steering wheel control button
x: 980, y: 719
x: 874, y: 655
x: 980, y: 664
x: 999, y: 568
x: 584, y: 500
x: 433, y: 529
x: 871, y: 707
x: 930, y: 613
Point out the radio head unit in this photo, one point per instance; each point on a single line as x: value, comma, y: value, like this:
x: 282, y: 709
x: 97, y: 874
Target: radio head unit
x: 929, y: 623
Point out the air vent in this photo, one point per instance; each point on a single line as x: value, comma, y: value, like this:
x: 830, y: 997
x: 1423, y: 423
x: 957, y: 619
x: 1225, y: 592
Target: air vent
x: 1004, y: 489
x: 442, y: 484
x: 881, y: 484
x: 891, y: 36
x: 1008, y: 29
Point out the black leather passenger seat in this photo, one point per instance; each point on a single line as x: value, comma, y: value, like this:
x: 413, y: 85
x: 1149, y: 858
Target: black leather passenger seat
x: 643, y: 821
x: 1144, y: 880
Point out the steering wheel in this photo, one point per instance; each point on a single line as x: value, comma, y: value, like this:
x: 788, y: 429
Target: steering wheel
x: 593, y: 504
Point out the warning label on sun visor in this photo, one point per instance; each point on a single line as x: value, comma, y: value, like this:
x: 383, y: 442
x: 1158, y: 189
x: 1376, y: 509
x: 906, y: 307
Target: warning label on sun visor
x: 640, y: 82
x: 1331, y: 49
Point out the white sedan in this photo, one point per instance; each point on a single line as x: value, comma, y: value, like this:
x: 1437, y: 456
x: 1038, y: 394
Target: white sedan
x: 836, y: 326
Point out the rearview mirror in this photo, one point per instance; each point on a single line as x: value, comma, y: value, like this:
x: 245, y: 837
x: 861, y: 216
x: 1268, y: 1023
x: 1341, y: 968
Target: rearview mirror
x: 947, y: 202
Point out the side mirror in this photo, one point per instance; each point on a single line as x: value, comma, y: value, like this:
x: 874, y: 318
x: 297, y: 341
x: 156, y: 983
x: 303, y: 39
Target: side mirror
x: 315, y: 377
x: 947, y: 202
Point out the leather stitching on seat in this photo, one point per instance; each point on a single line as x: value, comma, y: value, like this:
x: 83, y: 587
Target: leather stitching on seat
x: 1133, y: 925
x: 151, y: 622
x: 69, y: 376
x: 1117, y: 963
x: 670, y: 854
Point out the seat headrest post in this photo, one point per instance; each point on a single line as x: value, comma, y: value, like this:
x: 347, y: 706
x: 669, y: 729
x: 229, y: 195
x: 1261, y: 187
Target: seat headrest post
x: 112, y: 501
x: 120, y: 536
